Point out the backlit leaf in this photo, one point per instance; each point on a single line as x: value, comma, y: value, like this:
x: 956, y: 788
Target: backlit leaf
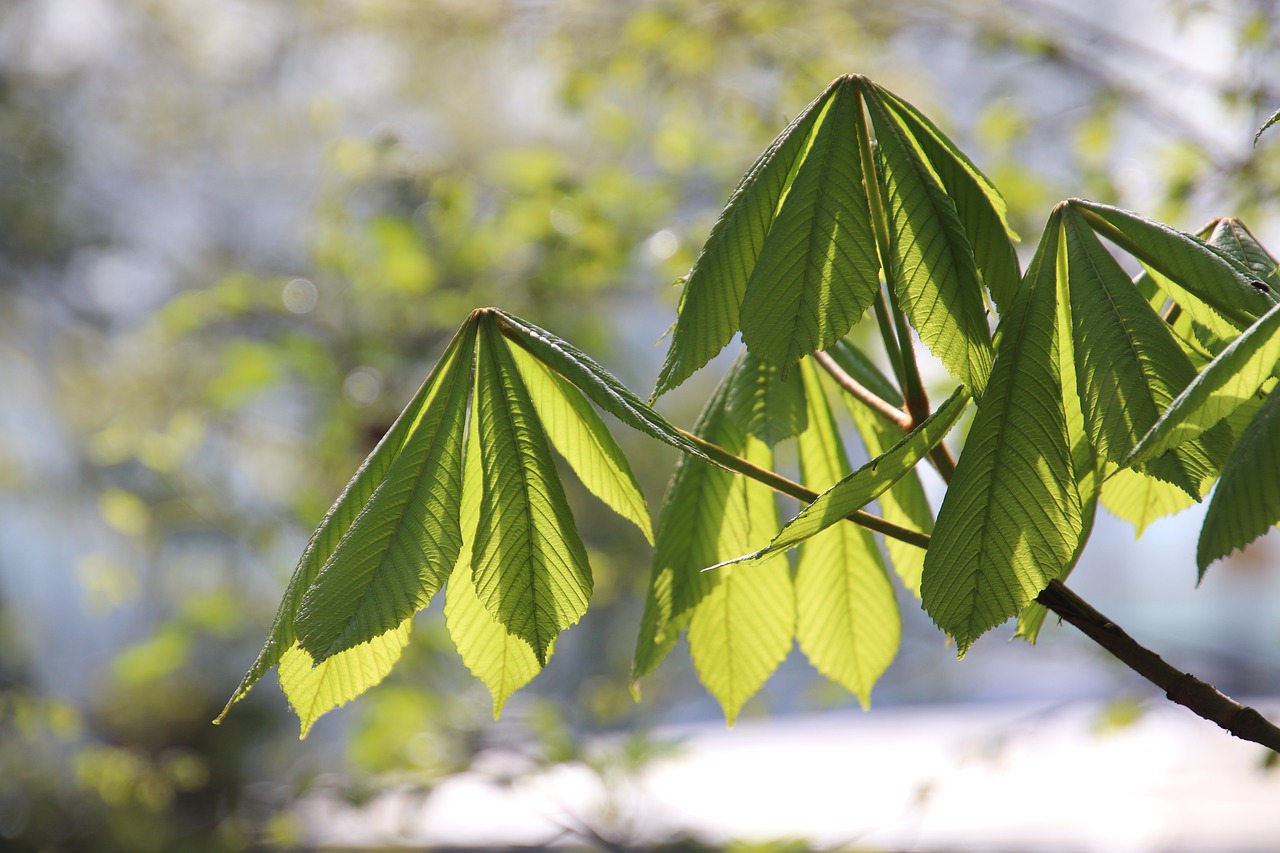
x: 818, y: 270
x: 1140, y: 499
x: 744, y: 625
x: 1228, y: 382
x: 847, y: 621
x: 930, y: 258
x: 981, y: 208
x: 313, y: 690
x: 503, y: 661
x: 400, y: 548
x: 1128, y: 365
x: 583, y: 440
x: 770, y: 405
x: 905, y: 503
x: 1202, y: 271
x: 712, y: 299
x: 529, y: 565
x: 1011, y: 520
x: 868, y: 482
x: 1246, y: 503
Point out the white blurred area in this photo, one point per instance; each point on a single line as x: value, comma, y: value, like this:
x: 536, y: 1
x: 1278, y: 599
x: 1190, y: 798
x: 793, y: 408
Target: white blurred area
x: 1077, y: 777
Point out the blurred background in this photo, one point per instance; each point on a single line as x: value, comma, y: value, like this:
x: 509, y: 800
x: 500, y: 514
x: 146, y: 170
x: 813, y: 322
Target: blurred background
x: 234, y: 236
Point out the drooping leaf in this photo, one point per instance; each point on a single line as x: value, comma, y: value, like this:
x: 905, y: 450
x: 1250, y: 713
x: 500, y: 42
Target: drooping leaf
x: 529, y: 565
x: 500, y: 659
x: 1127, y: 362
x: 398, y: 551
x: 1011, y: 520
x: 1085, y: 462
x: 600, y: 386
x: 695, y: 515
x: 744, y: 625
x: 1275, y: 117
x: 1198, y: 269
x: 1140, y: 499
x: 768, y: 404
x: 314, y: 689
x: 981, y: 208
x: 847, y: 621
x: 583, y: 440
x: 867, y: 483
x: 931, y: 261
x: 709, y: 513
x: 818, y: 270
x: 713, y: 292
x: 905, y: 503
x: 1246, y: 503
x: 1228, y: 382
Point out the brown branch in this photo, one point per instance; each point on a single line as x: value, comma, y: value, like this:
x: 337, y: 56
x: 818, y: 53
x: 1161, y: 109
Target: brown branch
x: 863, y: 394
x: 1185, y: 689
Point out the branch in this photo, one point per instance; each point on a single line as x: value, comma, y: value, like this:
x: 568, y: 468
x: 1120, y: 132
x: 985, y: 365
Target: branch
x: 1200, y: 698
x: 863, y: 394
x: 779, y: 483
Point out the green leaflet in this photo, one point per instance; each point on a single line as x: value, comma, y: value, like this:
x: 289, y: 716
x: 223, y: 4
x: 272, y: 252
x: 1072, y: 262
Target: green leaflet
x: 399, y: 549
x: 770, y: 405
x: 529, y: 565
x: 314, y: 689
x: 600, y: 386
x: 867, y: 483
x: 1275, y: 117
x: 1246, y: 503
x: 1140, y: 500
x: 712, y: 298
x: 744, y: 625
x: 1201, y: 271
x: 1237, y: 241
x: 817, y: 271
x: 740, y: 625
x: 981, y: 208
x: 1128, y: 364
x: 1011, y: 520
x: 904, y: 503
x: 1085, y: 462
x: 847, y: 621
x: 583, y: 440
x: 931, y: 261
x: 503, y: 661
x: 696, y: 527
x: 1228, y: 382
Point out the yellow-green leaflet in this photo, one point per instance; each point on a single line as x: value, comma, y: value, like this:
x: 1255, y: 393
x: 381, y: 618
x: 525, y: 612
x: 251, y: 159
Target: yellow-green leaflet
x: 503, y: 661
x: 577, y: 432
x: 847, y: 621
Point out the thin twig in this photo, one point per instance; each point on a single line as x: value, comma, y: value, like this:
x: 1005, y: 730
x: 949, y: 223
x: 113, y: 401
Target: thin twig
x: 779, y: 483
x: 879, y: 405
x: 1200, y: 698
